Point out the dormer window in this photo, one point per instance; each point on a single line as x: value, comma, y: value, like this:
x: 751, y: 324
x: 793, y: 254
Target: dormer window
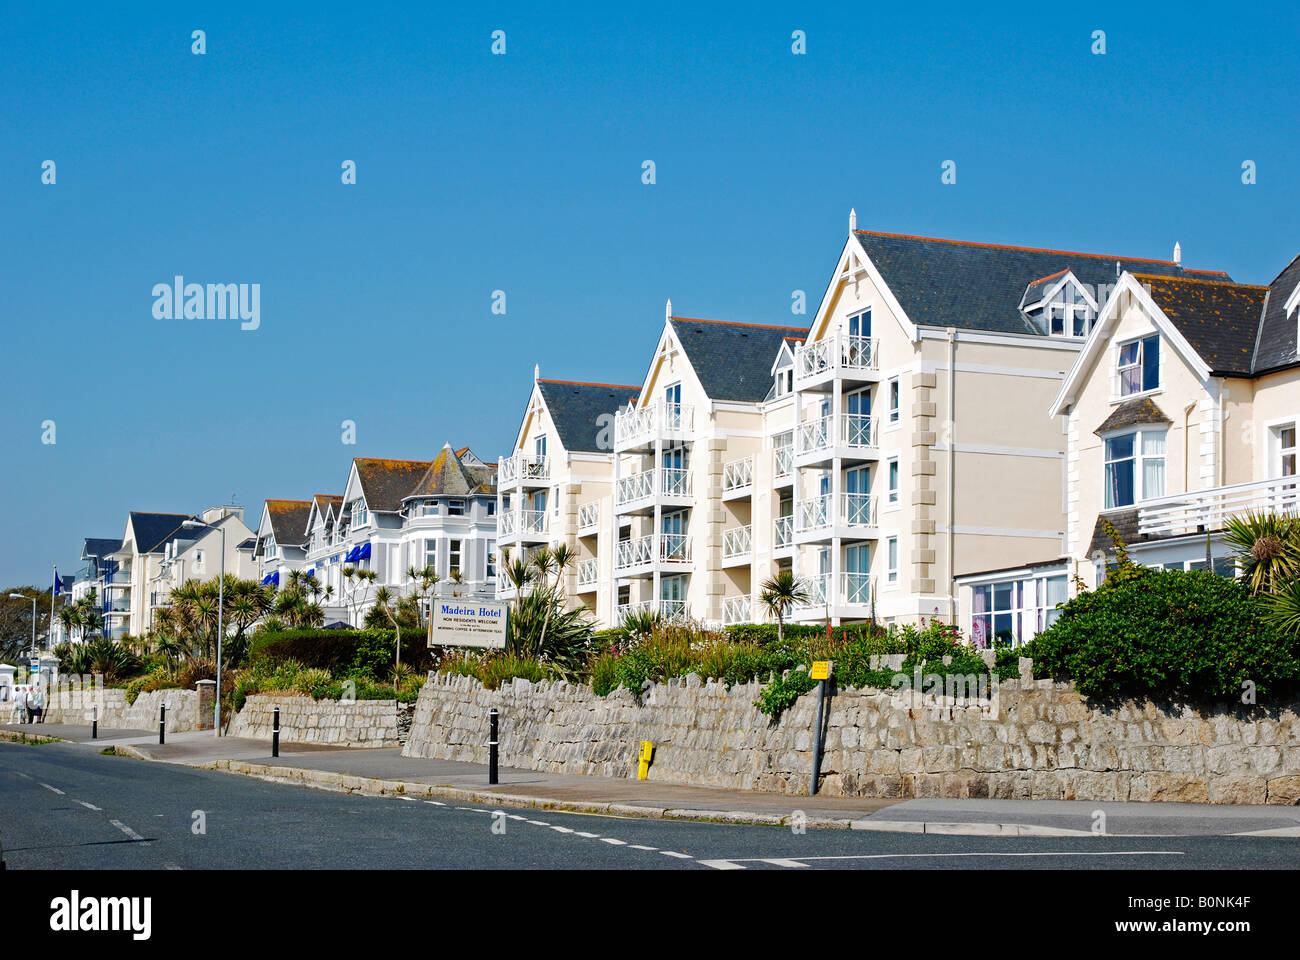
x: 359, y: 515
x: 1060, y: 306
x: 1139, y: 366
x: 784, y: 382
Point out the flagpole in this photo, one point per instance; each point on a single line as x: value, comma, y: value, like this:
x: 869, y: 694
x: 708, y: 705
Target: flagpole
x: 54, y: 590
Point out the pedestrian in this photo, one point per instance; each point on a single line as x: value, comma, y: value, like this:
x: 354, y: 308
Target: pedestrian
x: 20, y: 704
x: 36, y: 703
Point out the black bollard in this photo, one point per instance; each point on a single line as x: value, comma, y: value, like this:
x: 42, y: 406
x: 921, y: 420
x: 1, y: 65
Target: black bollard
x: 492, y: 745
x: 94, y: 722
x: 275, y: 734
x: 162, y: 724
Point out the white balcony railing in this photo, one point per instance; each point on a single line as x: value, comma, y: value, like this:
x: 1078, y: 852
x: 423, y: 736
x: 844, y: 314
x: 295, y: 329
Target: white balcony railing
x: 854, y: 589
x: 1207, y: 509
x: 668, y: 609
x: 821, y: 433
x: 634, y: 425
x: 738, y: 475
x: 736, y: 610
x: 737, y: 542
x: 660, y: 547
x: 783, y: 532
x: 855, y: 510
x: 783, y: 461
x: 837, y: 354
x: 589, y: 515
x: 522, y: 467
x: 588, y: 573
x: 514, y: 523
x: 673, y: 482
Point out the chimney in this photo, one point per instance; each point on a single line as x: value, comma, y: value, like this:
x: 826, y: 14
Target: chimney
x: 668, y: 311
x: 1178, y: 255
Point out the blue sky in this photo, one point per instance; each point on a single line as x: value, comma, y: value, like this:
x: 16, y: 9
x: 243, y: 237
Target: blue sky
x: 522, y: 173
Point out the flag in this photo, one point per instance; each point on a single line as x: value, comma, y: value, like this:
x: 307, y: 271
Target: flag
x: 58, y: 584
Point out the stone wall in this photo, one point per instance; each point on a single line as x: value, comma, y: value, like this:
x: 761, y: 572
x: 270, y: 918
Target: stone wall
x: 116, y: 714
x: 359, y: 723
x: 1030, y: 739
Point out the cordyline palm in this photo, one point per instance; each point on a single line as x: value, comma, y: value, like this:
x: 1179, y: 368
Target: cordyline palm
x: 559, y: 558
x: 780, y: 594
x: 383, y: 601
x: 1267, y: 545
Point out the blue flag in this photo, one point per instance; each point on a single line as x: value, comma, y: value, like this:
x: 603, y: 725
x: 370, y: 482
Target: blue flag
x: 58, y: 584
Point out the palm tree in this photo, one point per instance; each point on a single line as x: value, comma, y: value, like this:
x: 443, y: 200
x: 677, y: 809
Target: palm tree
x: 1267, y: 545
x: 779, y: 595
x: 559, y: 558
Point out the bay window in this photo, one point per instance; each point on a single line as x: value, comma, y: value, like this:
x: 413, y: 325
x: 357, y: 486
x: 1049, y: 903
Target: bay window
x: 1135, y: 467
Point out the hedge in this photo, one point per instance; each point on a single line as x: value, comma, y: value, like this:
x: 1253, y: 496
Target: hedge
x: 342, y: 652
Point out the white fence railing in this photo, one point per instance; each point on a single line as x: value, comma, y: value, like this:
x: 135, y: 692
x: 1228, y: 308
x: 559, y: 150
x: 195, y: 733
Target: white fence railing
x: 673, y: 482
x: 738, y: 475
x: 589, y: 515
x: 821, y: 433
x: 524, y: 467
x: 839, y: 353
x: 854, y: 588
x: 736, y: 610
x: 783, y: 461
x: 661, y: 547
x: 588, y: 573
x: 737, y: 542
x: 637, y: 424
x: 1207, y: 509
x: 523, y: 522
x: 783, y: 532
x: 668, y: 609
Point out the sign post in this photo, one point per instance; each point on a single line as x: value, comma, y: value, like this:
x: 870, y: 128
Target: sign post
x: 821, y: 672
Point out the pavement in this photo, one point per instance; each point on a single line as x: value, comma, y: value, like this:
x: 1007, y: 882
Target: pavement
x: 384, y: 772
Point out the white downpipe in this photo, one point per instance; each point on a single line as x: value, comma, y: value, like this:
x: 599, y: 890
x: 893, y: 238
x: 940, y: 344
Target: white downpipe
x: 952, y: 444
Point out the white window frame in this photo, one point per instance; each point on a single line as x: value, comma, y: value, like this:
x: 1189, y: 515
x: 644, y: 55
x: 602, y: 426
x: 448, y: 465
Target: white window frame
x: 891, y: 561
x: 1140, y: 366
x: 894, y: 401
x: 893, y: 478
x: 1139, y: 458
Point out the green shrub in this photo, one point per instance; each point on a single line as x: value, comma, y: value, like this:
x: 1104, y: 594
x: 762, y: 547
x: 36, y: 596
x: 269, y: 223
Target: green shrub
x: 782, y: 693
x: 1166, y: 634
x: 497, y: 667
x: 342, y: 652
x: 158, y: 679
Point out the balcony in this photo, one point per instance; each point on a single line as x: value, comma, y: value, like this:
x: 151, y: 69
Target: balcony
x: 737, y: 610
x: 850, y: 598
x: 738, y: 479
x: 669, y: 552
x: 783, y: 465
x: 737, y: 546
x: 639, y: 493
x: 783, y: 534
x: 668, y: 609
x: 522, y: 470
x: 525, y: 526
x: 1203, y: 510
x: 823, y: 439
x: 637, y: 428
x: 589, y: 518
x: 588, y: 576
x: 839, y: 358
x: 820, y: 519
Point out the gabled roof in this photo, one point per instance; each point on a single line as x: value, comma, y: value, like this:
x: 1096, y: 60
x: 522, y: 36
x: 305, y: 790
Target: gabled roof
x: 288, y: 520
x: 1219, y: 319
x: 576, y: 409
x: 327, y: 501
x: 385, y: 483
x: 152, y: 531
x: 1132, y: 413
x: 96, y: 547
x: 449, y: 475
x: 1277, y: 331
x: 732, y: 360
x: 979, y: 286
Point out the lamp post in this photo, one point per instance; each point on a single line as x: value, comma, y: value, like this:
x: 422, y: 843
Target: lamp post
x: 221, y: 609
x: 23, y: 596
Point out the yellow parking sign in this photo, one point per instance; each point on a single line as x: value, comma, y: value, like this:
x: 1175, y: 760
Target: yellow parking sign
x: 821, y: 670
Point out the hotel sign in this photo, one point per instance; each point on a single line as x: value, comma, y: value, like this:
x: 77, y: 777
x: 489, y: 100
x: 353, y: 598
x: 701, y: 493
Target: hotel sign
x: 468, y: 624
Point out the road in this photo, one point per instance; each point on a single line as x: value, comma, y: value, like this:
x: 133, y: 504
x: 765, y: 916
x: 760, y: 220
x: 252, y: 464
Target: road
x: 70, y: 808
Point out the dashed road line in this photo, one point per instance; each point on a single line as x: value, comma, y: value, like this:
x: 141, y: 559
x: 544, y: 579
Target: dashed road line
x: 679, y: 856
x: 642, y: 846
x: 589, y: 836
x: 737, y: 863
x: 89, y: 806
x: 612, y: 841
x: 54, y: 789
x: 128, y: 831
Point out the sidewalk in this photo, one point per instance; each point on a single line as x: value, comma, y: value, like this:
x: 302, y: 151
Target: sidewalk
x: 387, y: 772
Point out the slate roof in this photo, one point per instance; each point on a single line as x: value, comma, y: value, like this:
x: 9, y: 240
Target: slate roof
x: 1131, y: 413
x: 1219, y: 319
x: 153, y: 530
x: 1277, y: 334
x: 576, y: 409
x: 97, y: 547
x: 385, y: 483
x: 734, y: 360
x: 979, y: 286
x: 447, y: 475
x: 288, y: 521
x: 324, y: 501
x: 1124, y: 521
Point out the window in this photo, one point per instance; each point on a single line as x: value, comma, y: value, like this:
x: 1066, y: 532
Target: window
x: 490, y: 571
x: 1014, y: 611
x: 892, y: 548
x: 455, y: 508
x: 1135, y: 461
x: 453, y: 557
x: 1139, y: 366
x: 784, y: 382
x: 431, y: 555
x: 893, y: 480
x: 358, y: 514
x: 1286, y: 450
x: 539, y: 447
x: 893, y: 400
x: 491, y: 508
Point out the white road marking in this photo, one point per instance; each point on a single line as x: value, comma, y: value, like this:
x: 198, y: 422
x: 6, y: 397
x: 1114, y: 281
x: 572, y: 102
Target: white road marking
x: 539, y: 823
x: 589, y: 836
x: 170, y: 866
x: 127, y: 830
x: 25, y: 776
x: 561, y: 829
x: 55, y: 789
x: 89, y: 806
x: 435, y: 803
x: 640, y: 846
x: 611, y: 840
x: 736, y: 864
x: 674, y: 853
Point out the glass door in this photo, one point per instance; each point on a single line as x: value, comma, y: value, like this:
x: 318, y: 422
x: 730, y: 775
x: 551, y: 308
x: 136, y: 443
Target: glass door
x: 857, y: 425
x: 857, y: 567
x: 673, y: 535
x: 857, y: 495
